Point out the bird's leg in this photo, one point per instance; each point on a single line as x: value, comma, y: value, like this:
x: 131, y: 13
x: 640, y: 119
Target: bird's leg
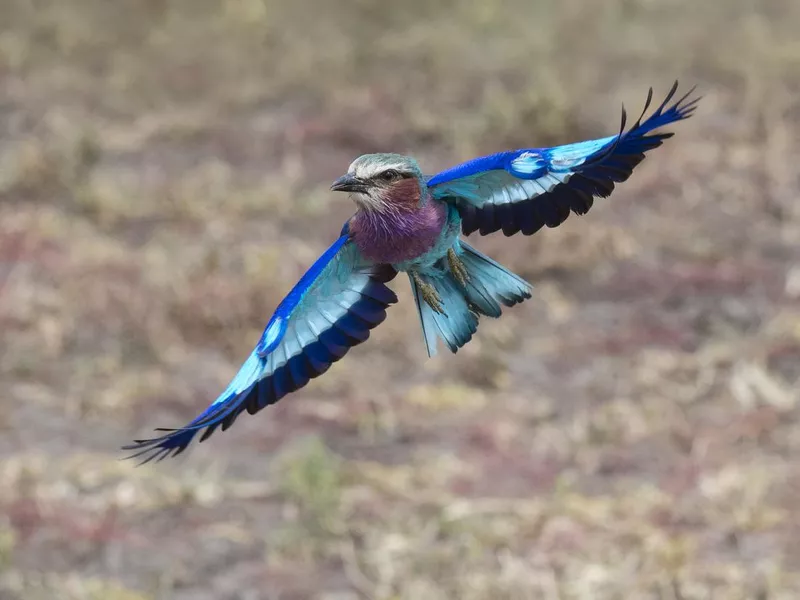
x: 457, y: 267
x: 429, y: 293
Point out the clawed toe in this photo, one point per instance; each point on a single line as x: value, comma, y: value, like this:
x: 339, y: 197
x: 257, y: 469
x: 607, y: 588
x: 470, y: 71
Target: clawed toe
x: 429, y: 294
x: 457, y: 267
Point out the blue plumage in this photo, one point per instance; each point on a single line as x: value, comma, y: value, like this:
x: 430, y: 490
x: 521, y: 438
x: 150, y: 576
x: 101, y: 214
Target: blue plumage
x: 407, y: 222
x: 332, y: 308
x: 276, y: 328
x: 523, y: 190
x: 487, y: 286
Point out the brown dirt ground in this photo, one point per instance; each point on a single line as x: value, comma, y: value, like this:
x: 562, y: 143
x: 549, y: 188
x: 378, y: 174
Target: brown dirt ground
x: 631, y: 432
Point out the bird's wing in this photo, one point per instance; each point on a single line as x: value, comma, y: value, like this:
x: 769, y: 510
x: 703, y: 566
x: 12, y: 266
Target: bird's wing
x: 522, y: 190
x: 331, y: 309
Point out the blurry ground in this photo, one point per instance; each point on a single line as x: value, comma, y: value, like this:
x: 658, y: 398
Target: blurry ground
x: 630, y: 432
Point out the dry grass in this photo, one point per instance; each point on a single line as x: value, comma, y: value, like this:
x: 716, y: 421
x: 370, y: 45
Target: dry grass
x: 632, y: 432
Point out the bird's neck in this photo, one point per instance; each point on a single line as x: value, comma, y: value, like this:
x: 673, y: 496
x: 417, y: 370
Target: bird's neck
x: 395, y: 221
x: 399, y: 233
x: 405, y: 207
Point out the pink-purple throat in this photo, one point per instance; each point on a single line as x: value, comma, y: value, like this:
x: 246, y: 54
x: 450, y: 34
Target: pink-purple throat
x: 405, y: 230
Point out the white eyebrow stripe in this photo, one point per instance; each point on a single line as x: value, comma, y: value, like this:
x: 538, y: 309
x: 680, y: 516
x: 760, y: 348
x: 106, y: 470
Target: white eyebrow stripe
x: 367, y: 171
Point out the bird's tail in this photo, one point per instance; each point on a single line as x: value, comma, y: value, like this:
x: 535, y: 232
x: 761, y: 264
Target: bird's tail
x: 487, y: 285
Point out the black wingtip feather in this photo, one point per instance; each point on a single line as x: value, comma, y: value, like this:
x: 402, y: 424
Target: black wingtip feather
x: 644, y: 110
x: 207, y: 434
x: 623, y: 120
x: 671, y: 93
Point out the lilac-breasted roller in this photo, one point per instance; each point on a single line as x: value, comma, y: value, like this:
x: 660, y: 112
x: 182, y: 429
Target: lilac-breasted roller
x: 410, y: 222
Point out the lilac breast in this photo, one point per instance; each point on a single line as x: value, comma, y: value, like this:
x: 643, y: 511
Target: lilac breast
x: 401, y: 236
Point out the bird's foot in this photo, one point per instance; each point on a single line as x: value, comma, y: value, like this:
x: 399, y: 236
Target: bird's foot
x: 457, y: 267
x: 429, y: 294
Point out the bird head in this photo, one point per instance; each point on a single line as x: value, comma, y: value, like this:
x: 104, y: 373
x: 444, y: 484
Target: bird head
x: 382, y: 182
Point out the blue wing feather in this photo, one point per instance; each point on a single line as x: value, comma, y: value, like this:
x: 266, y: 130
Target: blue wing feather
x: 331, y: 309
x: 500, y: 160
x: 276, y: 328
x: 523, y: 190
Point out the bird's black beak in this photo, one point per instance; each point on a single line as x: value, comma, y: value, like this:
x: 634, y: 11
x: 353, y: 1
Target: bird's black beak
x: 349, y: 183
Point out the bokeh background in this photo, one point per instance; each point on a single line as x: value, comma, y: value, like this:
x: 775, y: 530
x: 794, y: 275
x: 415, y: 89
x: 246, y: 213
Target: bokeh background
x: 631, y: 432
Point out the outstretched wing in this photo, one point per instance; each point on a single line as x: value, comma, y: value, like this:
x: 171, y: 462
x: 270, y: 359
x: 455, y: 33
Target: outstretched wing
x: 331, y: 309
x: 522, y: 190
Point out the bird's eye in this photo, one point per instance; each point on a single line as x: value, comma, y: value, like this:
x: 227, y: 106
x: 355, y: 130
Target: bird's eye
x: 390, y: 175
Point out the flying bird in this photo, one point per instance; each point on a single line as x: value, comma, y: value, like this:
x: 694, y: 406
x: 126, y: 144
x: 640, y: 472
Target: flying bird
x: 406, y: 221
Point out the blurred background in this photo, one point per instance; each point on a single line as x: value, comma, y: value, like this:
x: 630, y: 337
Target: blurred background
x: 630, y: 432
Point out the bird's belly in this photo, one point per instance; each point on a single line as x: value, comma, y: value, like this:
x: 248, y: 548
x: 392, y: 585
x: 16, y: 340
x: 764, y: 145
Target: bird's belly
x: 397, y: 248
x: 445, y: 240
